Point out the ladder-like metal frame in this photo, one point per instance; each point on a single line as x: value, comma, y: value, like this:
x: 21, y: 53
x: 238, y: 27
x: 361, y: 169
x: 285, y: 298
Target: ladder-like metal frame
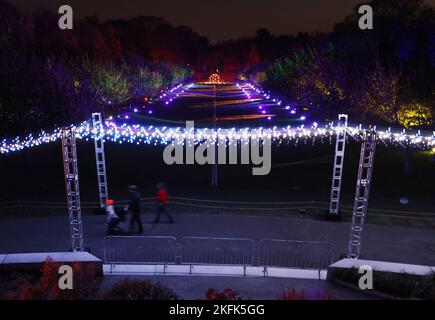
x: 214, y: 169
x: 100, y: 159
x: 363, y: 183
x: 69, y: 151
x: 337, y: 174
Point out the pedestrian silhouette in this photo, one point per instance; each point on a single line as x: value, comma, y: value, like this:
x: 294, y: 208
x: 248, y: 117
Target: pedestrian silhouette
x: 162, y: 203
x: 134, y: 207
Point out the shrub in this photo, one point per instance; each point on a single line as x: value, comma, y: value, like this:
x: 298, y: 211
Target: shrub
x: 45, y: 286
x: 127, y: 289
x: 10, y: 282
x: 227, y: 294
x: 292, y: 294
x: 395, y: 284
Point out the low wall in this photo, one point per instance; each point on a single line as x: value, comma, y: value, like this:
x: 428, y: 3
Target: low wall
x: 33, y: 262
x: 390, y: 280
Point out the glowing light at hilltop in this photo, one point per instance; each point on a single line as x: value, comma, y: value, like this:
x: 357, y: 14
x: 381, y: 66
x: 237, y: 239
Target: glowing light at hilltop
x: 214, y: 79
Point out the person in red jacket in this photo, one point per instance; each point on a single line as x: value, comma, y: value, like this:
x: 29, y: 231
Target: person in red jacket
x: 162, y: 201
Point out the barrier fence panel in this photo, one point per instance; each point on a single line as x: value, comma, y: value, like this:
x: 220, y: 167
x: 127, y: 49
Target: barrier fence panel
x: 140, y: 250
x: 295, y: 254
x: 217, y: 251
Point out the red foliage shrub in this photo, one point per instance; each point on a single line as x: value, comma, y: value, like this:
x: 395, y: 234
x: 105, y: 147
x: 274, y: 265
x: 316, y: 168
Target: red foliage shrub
x: 46, y: 287
x: 227, y: 294
x: 292, y: 294
x: 127, y: 289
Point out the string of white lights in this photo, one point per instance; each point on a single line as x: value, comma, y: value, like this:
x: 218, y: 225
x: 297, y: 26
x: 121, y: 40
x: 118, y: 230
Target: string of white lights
x: 137, y: 134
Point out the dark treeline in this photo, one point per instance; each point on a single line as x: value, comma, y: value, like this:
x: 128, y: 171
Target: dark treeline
x: 385, y: 75
x: 50, y: 77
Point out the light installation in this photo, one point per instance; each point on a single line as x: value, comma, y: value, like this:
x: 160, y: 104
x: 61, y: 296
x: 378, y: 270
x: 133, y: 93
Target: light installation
x: 214, y: 79
x: 112, y: 131
x: 136, y: 134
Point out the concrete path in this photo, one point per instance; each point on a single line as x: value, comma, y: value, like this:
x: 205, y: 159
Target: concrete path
x: 388, y: 243
x: 253, y: 288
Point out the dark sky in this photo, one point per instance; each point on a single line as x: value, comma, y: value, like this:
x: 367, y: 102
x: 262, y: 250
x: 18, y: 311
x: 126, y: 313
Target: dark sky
x: 217, y: 19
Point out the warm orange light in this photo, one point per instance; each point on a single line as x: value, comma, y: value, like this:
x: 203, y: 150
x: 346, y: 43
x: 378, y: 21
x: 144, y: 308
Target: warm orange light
x: 214, y: 79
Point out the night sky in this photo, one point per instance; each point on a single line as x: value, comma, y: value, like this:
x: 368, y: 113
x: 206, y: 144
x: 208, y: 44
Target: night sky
x: 218, y: 20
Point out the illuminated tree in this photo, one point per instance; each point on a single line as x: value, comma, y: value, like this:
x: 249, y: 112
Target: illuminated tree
x: 414, y: 115
x: 147, y: 82
x: 110, y: 83
x: 379, y: 95
x: 320, y: 84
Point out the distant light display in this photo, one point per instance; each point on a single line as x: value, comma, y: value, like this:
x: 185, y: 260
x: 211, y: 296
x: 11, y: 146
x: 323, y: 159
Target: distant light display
x: 214, y: 79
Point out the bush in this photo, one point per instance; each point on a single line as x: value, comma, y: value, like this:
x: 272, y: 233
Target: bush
x: 10, y: 282
x: 396, y: 284
x: 87, y: 282
x: 292, y: 294
x: 127, y: 289
x: 227, y: 294
x: 45, y: 285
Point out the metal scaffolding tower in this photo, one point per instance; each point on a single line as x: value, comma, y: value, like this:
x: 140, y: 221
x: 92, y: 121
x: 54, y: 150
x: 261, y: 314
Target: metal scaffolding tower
x: 363, y: 183
x: 214, y: 175
x: 100, y: 159
x: 340, y: 146
x: 214, y: 169
x: 69, y: 151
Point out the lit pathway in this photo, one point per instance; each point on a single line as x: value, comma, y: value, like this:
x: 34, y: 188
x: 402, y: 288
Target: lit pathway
x: 396, y: 244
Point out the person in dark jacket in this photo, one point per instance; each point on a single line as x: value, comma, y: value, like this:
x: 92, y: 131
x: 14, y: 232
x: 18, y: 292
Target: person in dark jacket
x: 134, y: 207
x: 162, y: 202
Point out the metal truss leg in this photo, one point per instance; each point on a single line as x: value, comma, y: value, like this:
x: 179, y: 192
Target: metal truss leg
x: 100, y: 158
x: 69, y: 151
x: 337, y: 174
x: 214, y: 175
x: 363, y: 183
x: 214, y: 169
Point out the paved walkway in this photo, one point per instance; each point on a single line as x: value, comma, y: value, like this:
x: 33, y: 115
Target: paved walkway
x: 389, y: 243
x: 194, y: 287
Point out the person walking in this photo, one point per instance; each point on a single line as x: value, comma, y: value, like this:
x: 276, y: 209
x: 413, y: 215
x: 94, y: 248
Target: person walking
x: 112, y: 218
x: 134, y: 207
x: 162, y: 201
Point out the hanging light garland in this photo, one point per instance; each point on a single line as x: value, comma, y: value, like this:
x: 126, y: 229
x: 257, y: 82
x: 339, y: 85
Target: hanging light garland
x: 136, y: 134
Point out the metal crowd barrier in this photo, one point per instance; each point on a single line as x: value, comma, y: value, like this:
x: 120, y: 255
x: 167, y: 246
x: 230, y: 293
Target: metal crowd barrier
x: 140, y: 250
x: 218, y: 251
x: 295, y: 254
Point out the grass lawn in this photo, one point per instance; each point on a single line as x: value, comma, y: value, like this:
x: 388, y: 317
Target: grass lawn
x: 299, y: 173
